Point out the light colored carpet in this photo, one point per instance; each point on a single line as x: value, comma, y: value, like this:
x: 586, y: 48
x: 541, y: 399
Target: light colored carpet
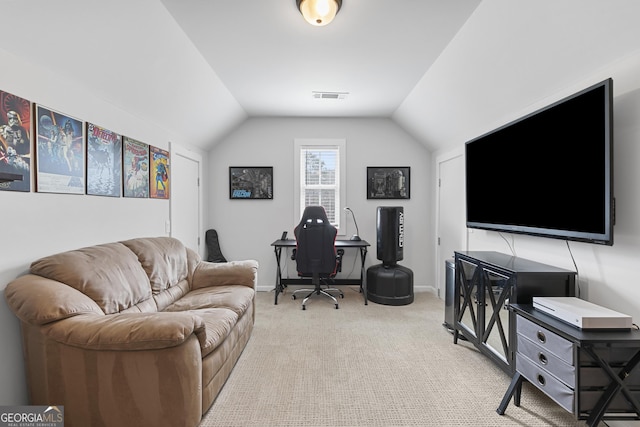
x: 372, y: 365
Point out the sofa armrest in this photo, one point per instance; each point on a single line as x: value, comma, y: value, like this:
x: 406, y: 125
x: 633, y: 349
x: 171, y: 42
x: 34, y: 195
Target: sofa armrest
x: 37, y: 300
x: 244, y: 273
x: 128, y: 331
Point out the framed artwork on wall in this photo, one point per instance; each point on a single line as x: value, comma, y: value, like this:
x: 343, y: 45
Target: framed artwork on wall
x: 135, y: 167
x: 104, y: 162
x: 250, y: 182
x: 159, y: 183
x: 15, y: 142
x: 388, y: 182
x: 60, y: 152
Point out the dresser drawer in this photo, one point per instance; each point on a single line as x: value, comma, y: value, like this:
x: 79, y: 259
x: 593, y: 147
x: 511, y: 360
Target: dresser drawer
x: 547, y: 361
x: 543, y: 380
x: 552, y: 343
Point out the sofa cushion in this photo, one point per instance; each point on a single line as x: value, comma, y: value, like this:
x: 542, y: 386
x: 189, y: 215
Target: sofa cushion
x: 109, y: 274
x: 218, y: 324
x: 164, y: 259
x: 170, y: 295
x: 235, y: 298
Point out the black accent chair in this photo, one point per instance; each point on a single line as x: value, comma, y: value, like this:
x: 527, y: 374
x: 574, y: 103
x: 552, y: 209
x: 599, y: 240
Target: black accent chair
x: 315, y: 253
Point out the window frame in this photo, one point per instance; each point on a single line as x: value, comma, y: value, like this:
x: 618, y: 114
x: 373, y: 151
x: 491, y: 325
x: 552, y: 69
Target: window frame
x: 321, y: 143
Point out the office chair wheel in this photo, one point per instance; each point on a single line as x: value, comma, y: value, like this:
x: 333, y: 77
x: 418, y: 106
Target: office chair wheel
x: 303, y: 307
x: 336, y: 306
x: 293, y: 297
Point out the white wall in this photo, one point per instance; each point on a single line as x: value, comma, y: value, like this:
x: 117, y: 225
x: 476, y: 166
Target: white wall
x: 38, y: 224
x: 247, y: 227
x: 608, y: 275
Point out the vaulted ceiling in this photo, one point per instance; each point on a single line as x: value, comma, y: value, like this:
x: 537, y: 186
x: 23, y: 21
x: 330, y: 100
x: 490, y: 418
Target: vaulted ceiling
x: 199, y: 68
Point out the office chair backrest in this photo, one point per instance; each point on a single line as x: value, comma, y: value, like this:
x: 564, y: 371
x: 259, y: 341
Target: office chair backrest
x: 315, y: 241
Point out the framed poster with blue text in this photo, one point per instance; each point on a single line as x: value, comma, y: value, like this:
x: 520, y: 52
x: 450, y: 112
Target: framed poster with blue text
x: 104, y: 162
x: 60, y: 152
x: 159, y: 184
x: 135, y: 166
x: 250, y: 182
x: 15, y: 143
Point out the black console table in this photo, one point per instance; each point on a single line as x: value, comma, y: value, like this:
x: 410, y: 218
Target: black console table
x: 282, y: 282
x: 485, y: 284
x: 592, y: 373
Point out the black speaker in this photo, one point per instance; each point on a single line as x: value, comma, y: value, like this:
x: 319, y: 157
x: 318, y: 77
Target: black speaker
x: 390, y: 234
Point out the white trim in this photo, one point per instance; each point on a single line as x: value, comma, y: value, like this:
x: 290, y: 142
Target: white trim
x: 300, y: 143
x: 178, y: 150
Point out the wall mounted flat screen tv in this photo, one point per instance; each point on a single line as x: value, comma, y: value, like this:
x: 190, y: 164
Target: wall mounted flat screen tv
x: 549, y: 173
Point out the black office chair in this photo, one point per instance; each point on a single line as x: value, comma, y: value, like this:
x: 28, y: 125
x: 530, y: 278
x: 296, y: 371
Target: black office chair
x: 315, y: 253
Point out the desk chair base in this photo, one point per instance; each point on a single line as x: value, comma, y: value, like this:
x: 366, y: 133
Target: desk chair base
x: 318, y: 291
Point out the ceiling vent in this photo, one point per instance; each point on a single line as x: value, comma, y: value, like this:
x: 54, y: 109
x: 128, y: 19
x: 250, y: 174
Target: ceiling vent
x: 330, y: 95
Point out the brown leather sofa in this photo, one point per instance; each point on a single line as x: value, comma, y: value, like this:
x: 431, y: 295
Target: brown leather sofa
x: 134, y: 333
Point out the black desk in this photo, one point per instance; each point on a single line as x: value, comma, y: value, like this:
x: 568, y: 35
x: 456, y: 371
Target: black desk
x: 606, y: 380
x: 281, y: 282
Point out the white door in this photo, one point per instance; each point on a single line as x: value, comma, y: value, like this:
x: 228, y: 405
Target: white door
x: 186, y: 199
x: 451, y: 214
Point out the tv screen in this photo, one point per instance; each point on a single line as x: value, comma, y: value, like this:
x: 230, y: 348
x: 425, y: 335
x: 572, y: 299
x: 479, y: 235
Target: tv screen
x: 549, y: 173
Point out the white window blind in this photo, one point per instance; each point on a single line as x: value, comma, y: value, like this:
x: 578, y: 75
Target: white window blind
x: 319, y: 180
x: 321, y: 170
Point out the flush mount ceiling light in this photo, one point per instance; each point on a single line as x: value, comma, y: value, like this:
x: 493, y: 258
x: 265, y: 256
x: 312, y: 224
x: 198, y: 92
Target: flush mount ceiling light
x: 319, y: 12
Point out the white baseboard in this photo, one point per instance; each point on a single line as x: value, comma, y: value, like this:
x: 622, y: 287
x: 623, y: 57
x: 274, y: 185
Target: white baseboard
x: 416, y: 288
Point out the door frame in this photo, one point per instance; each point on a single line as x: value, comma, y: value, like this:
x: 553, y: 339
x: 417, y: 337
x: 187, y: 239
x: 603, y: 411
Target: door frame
x: 179, y: 150
x: 440, y: 271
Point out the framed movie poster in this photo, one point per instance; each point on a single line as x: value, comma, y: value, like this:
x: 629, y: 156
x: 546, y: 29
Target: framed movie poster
x: 159, y: 184
x: 104, y: 162
x: 135, y: 167
x: 388, y: 182
x: 60, y: 152
x: 250, y: 182
x: 15, y: 143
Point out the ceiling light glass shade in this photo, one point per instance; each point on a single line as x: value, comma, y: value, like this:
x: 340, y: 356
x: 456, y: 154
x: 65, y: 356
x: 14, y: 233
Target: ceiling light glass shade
x: 319, y: 12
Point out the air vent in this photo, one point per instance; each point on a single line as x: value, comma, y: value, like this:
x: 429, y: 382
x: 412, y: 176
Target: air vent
x: 330, y: 95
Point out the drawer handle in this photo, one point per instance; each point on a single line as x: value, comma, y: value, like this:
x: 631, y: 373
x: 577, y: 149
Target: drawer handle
x: 543, y: 359
x: 541, y: 337
x: 541, y: 380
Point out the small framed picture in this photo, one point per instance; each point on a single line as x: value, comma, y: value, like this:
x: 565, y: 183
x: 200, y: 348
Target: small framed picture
x: 15, y: 142
x: 388, y: 182
x: 60, y: 152
x: 135, y: 168
x: 160, y: 182
x: 250, y: 182
x: 104, y: 161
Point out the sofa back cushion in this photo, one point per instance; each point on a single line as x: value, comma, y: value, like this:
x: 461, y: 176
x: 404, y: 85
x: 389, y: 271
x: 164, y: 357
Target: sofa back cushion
x: 164, y: 259
x: 109, y: 274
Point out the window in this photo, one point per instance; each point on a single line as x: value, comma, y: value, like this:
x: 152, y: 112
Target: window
x: 320, y: 174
